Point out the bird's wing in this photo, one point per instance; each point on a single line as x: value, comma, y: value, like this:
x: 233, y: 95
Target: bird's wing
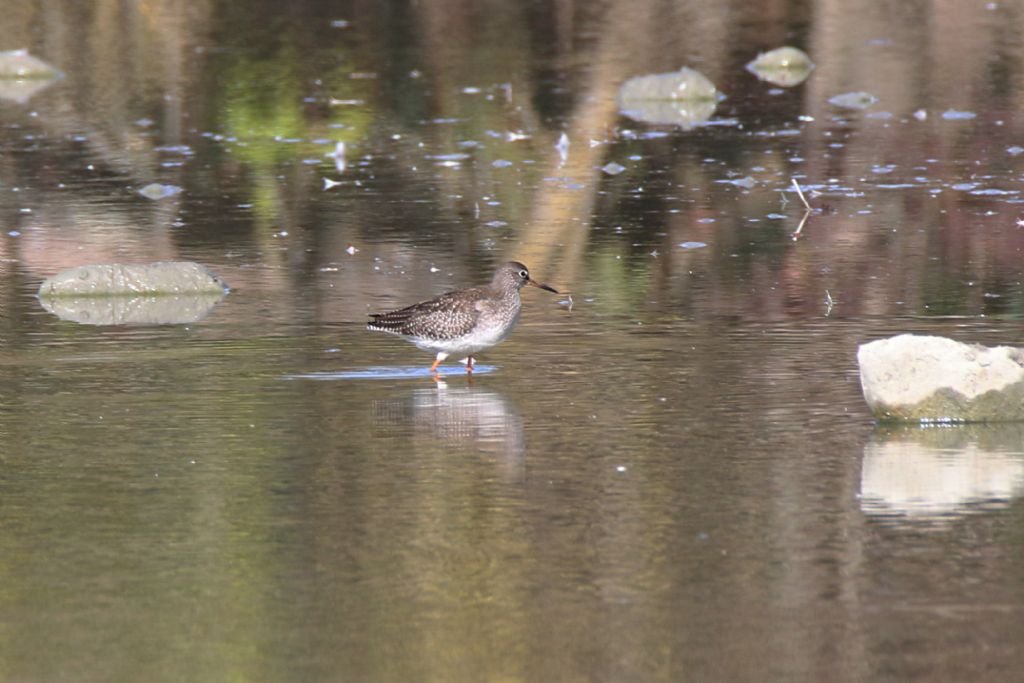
x: 445, y: 317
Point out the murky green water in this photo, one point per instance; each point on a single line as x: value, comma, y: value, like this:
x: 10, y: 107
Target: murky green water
x: 674, y: 478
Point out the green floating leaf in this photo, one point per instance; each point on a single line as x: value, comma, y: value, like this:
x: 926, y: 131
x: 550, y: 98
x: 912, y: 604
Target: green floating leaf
x: 784, y: 66
x: 853, y: 100
x: 683, y: 98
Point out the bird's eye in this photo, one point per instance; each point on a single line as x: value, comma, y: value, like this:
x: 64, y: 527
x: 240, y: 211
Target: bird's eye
x: 523, y: 274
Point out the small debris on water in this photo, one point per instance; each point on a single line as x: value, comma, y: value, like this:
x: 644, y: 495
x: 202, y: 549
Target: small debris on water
x: 994, y: 192
x: 351, y: 250
x: 455, y: 156
x: 158, y: 191
x: 685, y: 85
x: 175, y: 149
x: 328, y: 183
x: 954, y: 115
x: 692, y: 245
x: 746, y: 183
x: 613, y: 168
x: 853, y: 100
x: 563, y: 147
x: 339, y: 157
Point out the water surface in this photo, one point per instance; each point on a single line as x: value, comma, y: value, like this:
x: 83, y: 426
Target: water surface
x: 673, y: 478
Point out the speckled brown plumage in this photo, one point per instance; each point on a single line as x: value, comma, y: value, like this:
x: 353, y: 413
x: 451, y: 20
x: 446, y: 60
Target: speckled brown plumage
x: 448, y: 316
x: 462, y: 321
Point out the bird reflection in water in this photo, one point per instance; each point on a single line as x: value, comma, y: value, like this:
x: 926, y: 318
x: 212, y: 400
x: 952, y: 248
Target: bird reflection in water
x: 462, y: 419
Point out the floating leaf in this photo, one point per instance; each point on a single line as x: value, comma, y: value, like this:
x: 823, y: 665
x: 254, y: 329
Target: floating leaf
x: 22, y: 75
x: 854, y: 100
x: 685, y: 115
x: 684, y: 98
x: 746, y: 183
x: 785, y: 66
x: 158, y: 191
x: 685, y: 84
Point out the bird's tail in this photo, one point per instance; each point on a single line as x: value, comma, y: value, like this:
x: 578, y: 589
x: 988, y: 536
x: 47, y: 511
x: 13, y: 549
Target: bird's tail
x: 394, y: 322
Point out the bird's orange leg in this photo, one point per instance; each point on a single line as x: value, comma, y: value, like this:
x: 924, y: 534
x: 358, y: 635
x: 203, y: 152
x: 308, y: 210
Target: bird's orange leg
x: 469, y: 364
x: 441, y: 355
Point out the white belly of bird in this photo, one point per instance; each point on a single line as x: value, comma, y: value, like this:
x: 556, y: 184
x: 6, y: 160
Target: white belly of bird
x: 483, y: 337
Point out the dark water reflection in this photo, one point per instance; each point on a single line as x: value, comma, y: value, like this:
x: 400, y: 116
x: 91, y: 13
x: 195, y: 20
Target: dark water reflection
x: 675, y: 478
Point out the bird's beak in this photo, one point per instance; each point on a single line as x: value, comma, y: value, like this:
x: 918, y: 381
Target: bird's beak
x: 542, y: 286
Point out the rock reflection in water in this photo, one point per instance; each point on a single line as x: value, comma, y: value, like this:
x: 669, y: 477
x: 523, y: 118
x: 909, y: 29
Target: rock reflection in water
x: 23, y: 75
x: 132, y: 310
x: 942, y: 472
x: 463, y: 418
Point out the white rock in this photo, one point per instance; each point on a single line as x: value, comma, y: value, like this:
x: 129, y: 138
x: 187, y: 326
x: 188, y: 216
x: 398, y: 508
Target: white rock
x: 165, y: 277
x: 685, y: 84
x: 924, y: 378
x: 19, y: 64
